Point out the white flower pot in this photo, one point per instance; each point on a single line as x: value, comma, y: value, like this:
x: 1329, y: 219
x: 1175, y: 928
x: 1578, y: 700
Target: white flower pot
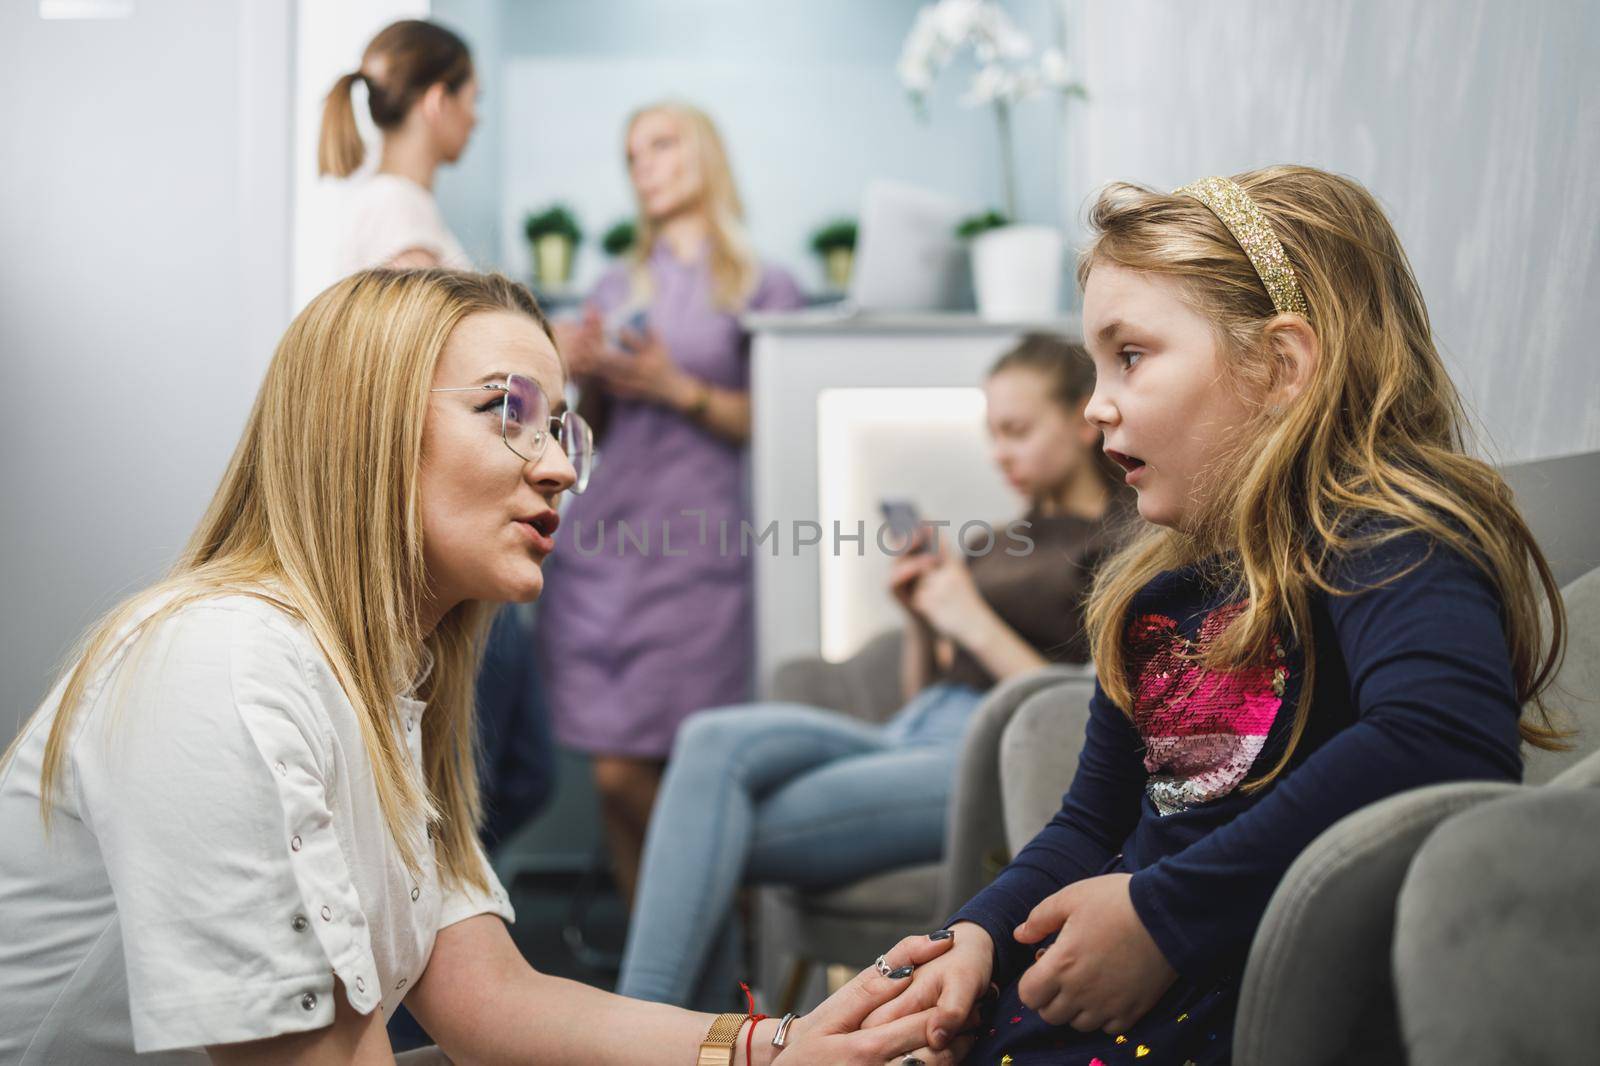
x: 1016, y: 272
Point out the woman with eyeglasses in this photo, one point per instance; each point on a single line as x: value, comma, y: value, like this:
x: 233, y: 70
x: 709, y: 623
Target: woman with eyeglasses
x: 656, y: 612
x: 422, y: 93
x: 242, y: 828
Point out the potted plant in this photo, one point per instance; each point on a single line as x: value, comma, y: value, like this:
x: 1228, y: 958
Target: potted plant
x: 1016, y: 269
x: 619, y: 238
x: 553, y: 236
x: 836, y: 244
x: 977, y: 225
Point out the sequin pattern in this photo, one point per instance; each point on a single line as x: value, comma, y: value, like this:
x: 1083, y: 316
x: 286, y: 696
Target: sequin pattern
x: 1203, y: 729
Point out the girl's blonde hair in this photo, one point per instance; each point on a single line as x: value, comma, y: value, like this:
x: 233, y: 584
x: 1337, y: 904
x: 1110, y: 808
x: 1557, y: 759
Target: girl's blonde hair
x: 318, y: 513
x: 1377, y: 433
x: 404, y: 61
x: 735, y: 271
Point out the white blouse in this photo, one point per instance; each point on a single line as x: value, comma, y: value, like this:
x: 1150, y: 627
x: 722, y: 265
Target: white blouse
x: 384, y: 215
x: 215, y: 857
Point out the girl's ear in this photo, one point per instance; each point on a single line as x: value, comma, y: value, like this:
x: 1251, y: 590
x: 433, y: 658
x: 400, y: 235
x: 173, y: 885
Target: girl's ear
x: 1295, y: 352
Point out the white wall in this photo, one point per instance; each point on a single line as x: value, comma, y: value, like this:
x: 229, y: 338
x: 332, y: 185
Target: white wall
x: 1476, y: 122
x: 145, y: 281
x: 805, y: 94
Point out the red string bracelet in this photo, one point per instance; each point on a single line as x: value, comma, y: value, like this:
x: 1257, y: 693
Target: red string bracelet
x: 750, y: 1040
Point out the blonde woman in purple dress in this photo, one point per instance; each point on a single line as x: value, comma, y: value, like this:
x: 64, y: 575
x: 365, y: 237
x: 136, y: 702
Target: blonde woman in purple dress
x: 647, y: 620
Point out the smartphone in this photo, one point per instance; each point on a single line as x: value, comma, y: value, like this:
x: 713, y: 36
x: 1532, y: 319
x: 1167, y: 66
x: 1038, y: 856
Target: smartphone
x: 903, y: 520
x: 624, y: 321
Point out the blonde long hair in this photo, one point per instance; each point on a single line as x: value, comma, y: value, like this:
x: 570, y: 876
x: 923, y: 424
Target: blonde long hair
x: 1378, y: 432
x: 735, y: 270
x: 321, y: 501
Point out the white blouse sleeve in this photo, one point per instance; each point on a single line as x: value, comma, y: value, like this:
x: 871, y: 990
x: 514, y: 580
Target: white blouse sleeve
x: 201, y: 770
x: 464, y: 901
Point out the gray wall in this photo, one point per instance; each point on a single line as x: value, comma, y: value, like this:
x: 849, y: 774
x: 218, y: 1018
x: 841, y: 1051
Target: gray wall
x: 145, y: 223
x: 1476, y: 122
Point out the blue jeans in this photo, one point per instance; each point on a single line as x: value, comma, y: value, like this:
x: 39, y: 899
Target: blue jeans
x: 775, y: 793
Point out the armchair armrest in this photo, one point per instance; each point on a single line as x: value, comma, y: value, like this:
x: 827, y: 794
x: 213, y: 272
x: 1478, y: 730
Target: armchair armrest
x: 1317, y: 985
x: 866, y: 685
x: 1039, y: 755
x: 1494, y: 952
x: 973, y: 830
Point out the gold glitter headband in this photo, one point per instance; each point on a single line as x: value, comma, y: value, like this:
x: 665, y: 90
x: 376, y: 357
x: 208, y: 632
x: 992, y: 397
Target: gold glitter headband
x: 1249, y: 226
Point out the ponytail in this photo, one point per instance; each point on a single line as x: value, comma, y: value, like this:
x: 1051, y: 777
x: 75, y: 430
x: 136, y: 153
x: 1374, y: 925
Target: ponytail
x: 340, y: 151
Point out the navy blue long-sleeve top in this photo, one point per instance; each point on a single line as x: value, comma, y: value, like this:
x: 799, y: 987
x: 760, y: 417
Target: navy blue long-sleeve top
x: 1413, y: 686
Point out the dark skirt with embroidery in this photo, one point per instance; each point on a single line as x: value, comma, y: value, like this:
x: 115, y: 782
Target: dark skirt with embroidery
x: 1192, y: 1025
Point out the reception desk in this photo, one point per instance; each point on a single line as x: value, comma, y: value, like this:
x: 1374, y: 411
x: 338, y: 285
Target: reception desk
x: 847, y: 412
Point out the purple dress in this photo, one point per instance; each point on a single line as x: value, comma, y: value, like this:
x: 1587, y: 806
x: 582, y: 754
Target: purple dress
x: 644, y: 618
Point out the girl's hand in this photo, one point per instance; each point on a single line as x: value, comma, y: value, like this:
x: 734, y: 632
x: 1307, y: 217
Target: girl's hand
x: 1104, y: 971
x: 832, y: 1035
x: 645, y: 370
x: 948, y: 597
x: 946, y: 990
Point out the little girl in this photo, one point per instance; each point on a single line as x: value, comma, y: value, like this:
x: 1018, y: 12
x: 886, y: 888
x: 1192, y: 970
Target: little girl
x: 1331, y: 603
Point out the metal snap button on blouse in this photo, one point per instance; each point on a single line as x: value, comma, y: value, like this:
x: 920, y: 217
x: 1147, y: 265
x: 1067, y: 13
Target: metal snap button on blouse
x: 415, y: 892
x: 294, y: 845
x: 298, y: 923
x: 327, y: 915
x: 308, y: 1001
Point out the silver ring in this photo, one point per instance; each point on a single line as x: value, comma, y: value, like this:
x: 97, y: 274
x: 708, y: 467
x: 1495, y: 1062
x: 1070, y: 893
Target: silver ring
x: 883, y: 965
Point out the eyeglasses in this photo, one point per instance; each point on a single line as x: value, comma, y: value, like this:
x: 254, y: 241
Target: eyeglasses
x: 526, y: 425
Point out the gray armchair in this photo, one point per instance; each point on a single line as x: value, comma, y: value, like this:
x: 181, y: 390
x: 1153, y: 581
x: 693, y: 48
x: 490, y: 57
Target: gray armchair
x: 1496, y: 953
x: 852, y: 924
x: 1317, y: 986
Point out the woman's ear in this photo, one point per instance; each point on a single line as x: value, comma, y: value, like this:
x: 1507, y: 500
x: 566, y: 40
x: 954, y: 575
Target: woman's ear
x: 432, y: 102
x: 1295, y: 354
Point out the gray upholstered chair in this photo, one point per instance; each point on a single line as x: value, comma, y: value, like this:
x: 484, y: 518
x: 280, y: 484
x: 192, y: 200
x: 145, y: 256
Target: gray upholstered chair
x: 1497, y: 931
x: 852, y: 924
x: 1317, y: 987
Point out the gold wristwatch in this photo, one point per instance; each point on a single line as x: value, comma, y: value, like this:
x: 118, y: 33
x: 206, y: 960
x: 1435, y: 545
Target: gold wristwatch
x: 717, y: 1048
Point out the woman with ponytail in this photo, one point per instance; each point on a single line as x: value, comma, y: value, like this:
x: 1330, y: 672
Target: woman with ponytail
x: 422, y: 95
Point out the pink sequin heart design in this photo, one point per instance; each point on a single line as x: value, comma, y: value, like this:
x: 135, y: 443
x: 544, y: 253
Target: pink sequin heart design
x: 1202, y: 728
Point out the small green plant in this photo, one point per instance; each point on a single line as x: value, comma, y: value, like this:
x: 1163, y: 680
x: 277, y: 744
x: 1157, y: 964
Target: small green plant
x: 553, y: 221
x: 838, y: 234
x: 969, y: 228
x: 619, y: 238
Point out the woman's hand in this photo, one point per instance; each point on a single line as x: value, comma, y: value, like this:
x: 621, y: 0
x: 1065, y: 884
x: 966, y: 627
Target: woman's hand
x: 1104, y: 971
x: 580, y: 344
x: 946, y: 991
x: 909, y: 568
x: 948, y: 598
x: 832, y: 1035
x: 644, y: 370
